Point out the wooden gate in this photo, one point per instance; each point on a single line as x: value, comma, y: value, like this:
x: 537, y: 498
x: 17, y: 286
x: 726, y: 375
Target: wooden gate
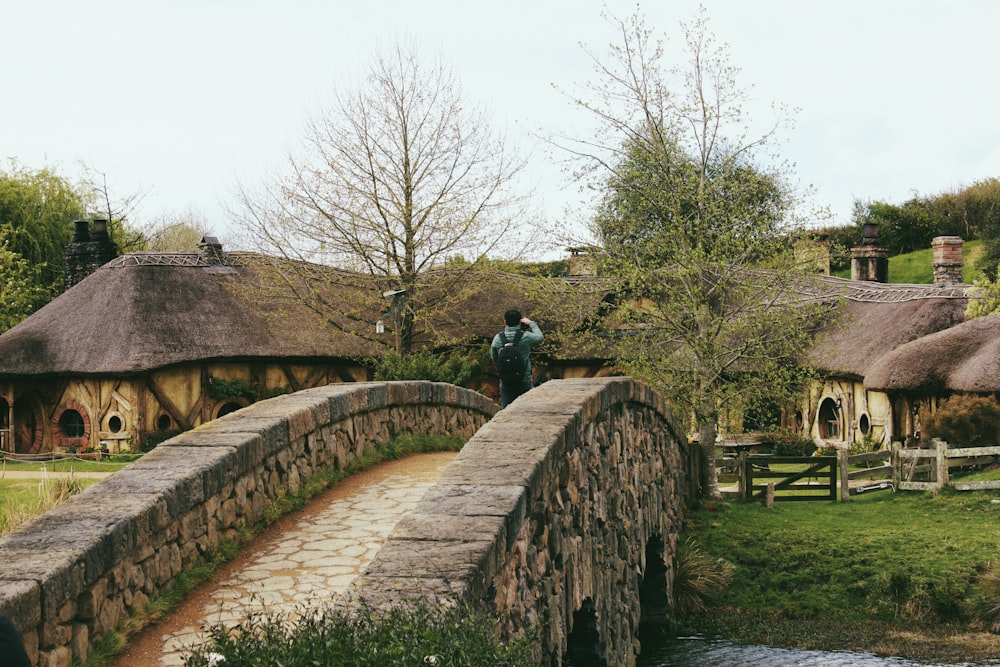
x: 794, y: 477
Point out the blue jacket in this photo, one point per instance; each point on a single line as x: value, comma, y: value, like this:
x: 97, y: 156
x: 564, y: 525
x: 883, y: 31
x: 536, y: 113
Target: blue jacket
x: 532, y: 337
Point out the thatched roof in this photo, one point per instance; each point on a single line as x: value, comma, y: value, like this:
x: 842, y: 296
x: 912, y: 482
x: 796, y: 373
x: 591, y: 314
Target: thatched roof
x: 877, y: 318
x: 144, y: 311
x: 963, y: 358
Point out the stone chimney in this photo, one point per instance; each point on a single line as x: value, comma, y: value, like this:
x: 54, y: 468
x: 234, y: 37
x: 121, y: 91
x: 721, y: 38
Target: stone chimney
x: 947, y: 261
x: 870, y: 261
x: 582, y: 262
x: 210, y: 250
x: 813, y: 253
x: 89, y: 250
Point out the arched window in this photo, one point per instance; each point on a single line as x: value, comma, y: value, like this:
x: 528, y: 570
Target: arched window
x: 829, y: 419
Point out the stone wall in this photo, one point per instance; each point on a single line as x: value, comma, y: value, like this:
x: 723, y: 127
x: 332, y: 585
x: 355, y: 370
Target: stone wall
x: 562, y: 514
x: 77, y: 572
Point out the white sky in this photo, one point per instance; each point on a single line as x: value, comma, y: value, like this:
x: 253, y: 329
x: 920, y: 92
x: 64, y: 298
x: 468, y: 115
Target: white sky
x: 183, y: 98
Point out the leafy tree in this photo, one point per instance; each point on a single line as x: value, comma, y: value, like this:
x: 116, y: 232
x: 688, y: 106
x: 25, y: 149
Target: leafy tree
x: 965, y: 421
x: 398, y: 177
x: 21, y: 288
x: 901, y: 229
x: 36, y: 212
x: 697, y: 231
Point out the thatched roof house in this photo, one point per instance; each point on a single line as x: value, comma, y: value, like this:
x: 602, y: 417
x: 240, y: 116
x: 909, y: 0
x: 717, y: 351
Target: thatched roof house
x: 153, y: 343
x: 874, y: 320
x: 964, y: 358
x: 877, y: 318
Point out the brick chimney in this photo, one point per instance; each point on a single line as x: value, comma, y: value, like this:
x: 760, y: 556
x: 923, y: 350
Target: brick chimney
x: 89, y: 250
x: 870, y: 261
x: 947, y: 261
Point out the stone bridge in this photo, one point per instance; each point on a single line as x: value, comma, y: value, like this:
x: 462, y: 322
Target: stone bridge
x: 560, y: 514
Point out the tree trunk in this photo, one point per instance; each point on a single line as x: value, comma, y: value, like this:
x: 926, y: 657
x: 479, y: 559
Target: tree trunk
x: 709, y: 474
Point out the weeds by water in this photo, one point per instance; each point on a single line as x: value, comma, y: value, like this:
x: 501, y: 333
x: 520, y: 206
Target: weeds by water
x: 412, y: 635
x: 853, y: 575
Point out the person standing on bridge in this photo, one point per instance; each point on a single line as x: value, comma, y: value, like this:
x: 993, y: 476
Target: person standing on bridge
x: 511, y: 352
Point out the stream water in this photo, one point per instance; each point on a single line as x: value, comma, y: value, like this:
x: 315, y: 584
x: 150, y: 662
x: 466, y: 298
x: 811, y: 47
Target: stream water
x: 701, y: 652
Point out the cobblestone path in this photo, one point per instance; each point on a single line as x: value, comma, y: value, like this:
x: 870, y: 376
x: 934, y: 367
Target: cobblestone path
x: 312, y: 556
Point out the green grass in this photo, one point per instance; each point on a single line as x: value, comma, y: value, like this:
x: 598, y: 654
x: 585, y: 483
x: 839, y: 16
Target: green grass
x: 842, y: 575
x: 23, y: 499
x: 110, y: 464
x: 915, y: 268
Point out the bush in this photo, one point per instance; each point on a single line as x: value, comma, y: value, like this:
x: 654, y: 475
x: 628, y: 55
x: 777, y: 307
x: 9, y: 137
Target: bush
x: 458, y: 369
x: 965, y: 421
x: 698, y: 578
x: 795, y: 447
x: 413, y: 635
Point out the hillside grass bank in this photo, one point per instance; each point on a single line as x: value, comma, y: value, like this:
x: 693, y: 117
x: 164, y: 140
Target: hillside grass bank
x: 907, y: 574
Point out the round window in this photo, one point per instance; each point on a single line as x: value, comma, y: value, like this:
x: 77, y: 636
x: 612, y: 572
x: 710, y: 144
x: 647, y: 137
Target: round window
x: 227, y: 408
x: 71, y: 424
x: 115, y: 424
x: 864, y: 425
x: 163, y: 422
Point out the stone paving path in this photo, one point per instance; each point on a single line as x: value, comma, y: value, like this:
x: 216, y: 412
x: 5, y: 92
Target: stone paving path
x: 312, y: 559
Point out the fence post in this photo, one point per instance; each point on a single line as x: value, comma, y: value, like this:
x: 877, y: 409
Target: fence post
x: 897, y: 464
x: 845, y: 485
x: 942, y: 463
x: 745, y: 481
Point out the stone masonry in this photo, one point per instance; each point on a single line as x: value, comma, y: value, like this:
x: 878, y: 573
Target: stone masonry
x: 77, y: 572
x: 560, y: 515
x: 547, y: 516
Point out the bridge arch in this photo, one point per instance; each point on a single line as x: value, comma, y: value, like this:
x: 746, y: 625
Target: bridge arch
x: 562, y: 513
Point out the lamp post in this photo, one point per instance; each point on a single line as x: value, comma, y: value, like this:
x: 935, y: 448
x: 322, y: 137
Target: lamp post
x: 396, y: 310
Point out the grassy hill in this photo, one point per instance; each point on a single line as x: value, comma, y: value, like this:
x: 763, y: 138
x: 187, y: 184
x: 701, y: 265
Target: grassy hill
x: 915, y: 268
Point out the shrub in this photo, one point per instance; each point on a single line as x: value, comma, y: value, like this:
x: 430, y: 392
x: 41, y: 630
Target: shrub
x: 794, y: 447
x: 986, y: 611
x: 698, y: 578
x: 965, y: 421
x: 413, y: 635
x: 456, y: 368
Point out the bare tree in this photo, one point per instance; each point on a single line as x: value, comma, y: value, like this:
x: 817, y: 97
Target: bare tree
x: 400, y: 178
x: 176, y: 233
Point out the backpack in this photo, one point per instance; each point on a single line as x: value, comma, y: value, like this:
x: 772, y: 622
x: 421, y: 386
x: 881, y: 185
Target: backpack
x: 510, y: 362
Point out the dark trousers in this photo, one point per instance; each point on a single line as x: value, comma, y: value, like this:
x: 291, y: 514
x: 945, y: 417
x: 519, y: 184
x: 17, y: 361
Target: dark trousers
x: 511, y: 390
x: 12, y: 652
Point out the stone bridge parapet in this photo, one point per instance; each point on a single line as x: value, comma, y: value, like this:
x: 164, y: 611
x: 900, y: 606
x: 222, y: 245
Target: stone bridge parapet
x: 562, y: 514
x: 77, y: 572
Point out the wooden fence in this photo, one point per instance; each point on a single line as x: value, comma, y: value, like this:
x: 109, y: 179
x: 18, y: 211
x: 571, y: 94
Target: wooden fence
x: 898, y: 469
x: 934, y: 464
